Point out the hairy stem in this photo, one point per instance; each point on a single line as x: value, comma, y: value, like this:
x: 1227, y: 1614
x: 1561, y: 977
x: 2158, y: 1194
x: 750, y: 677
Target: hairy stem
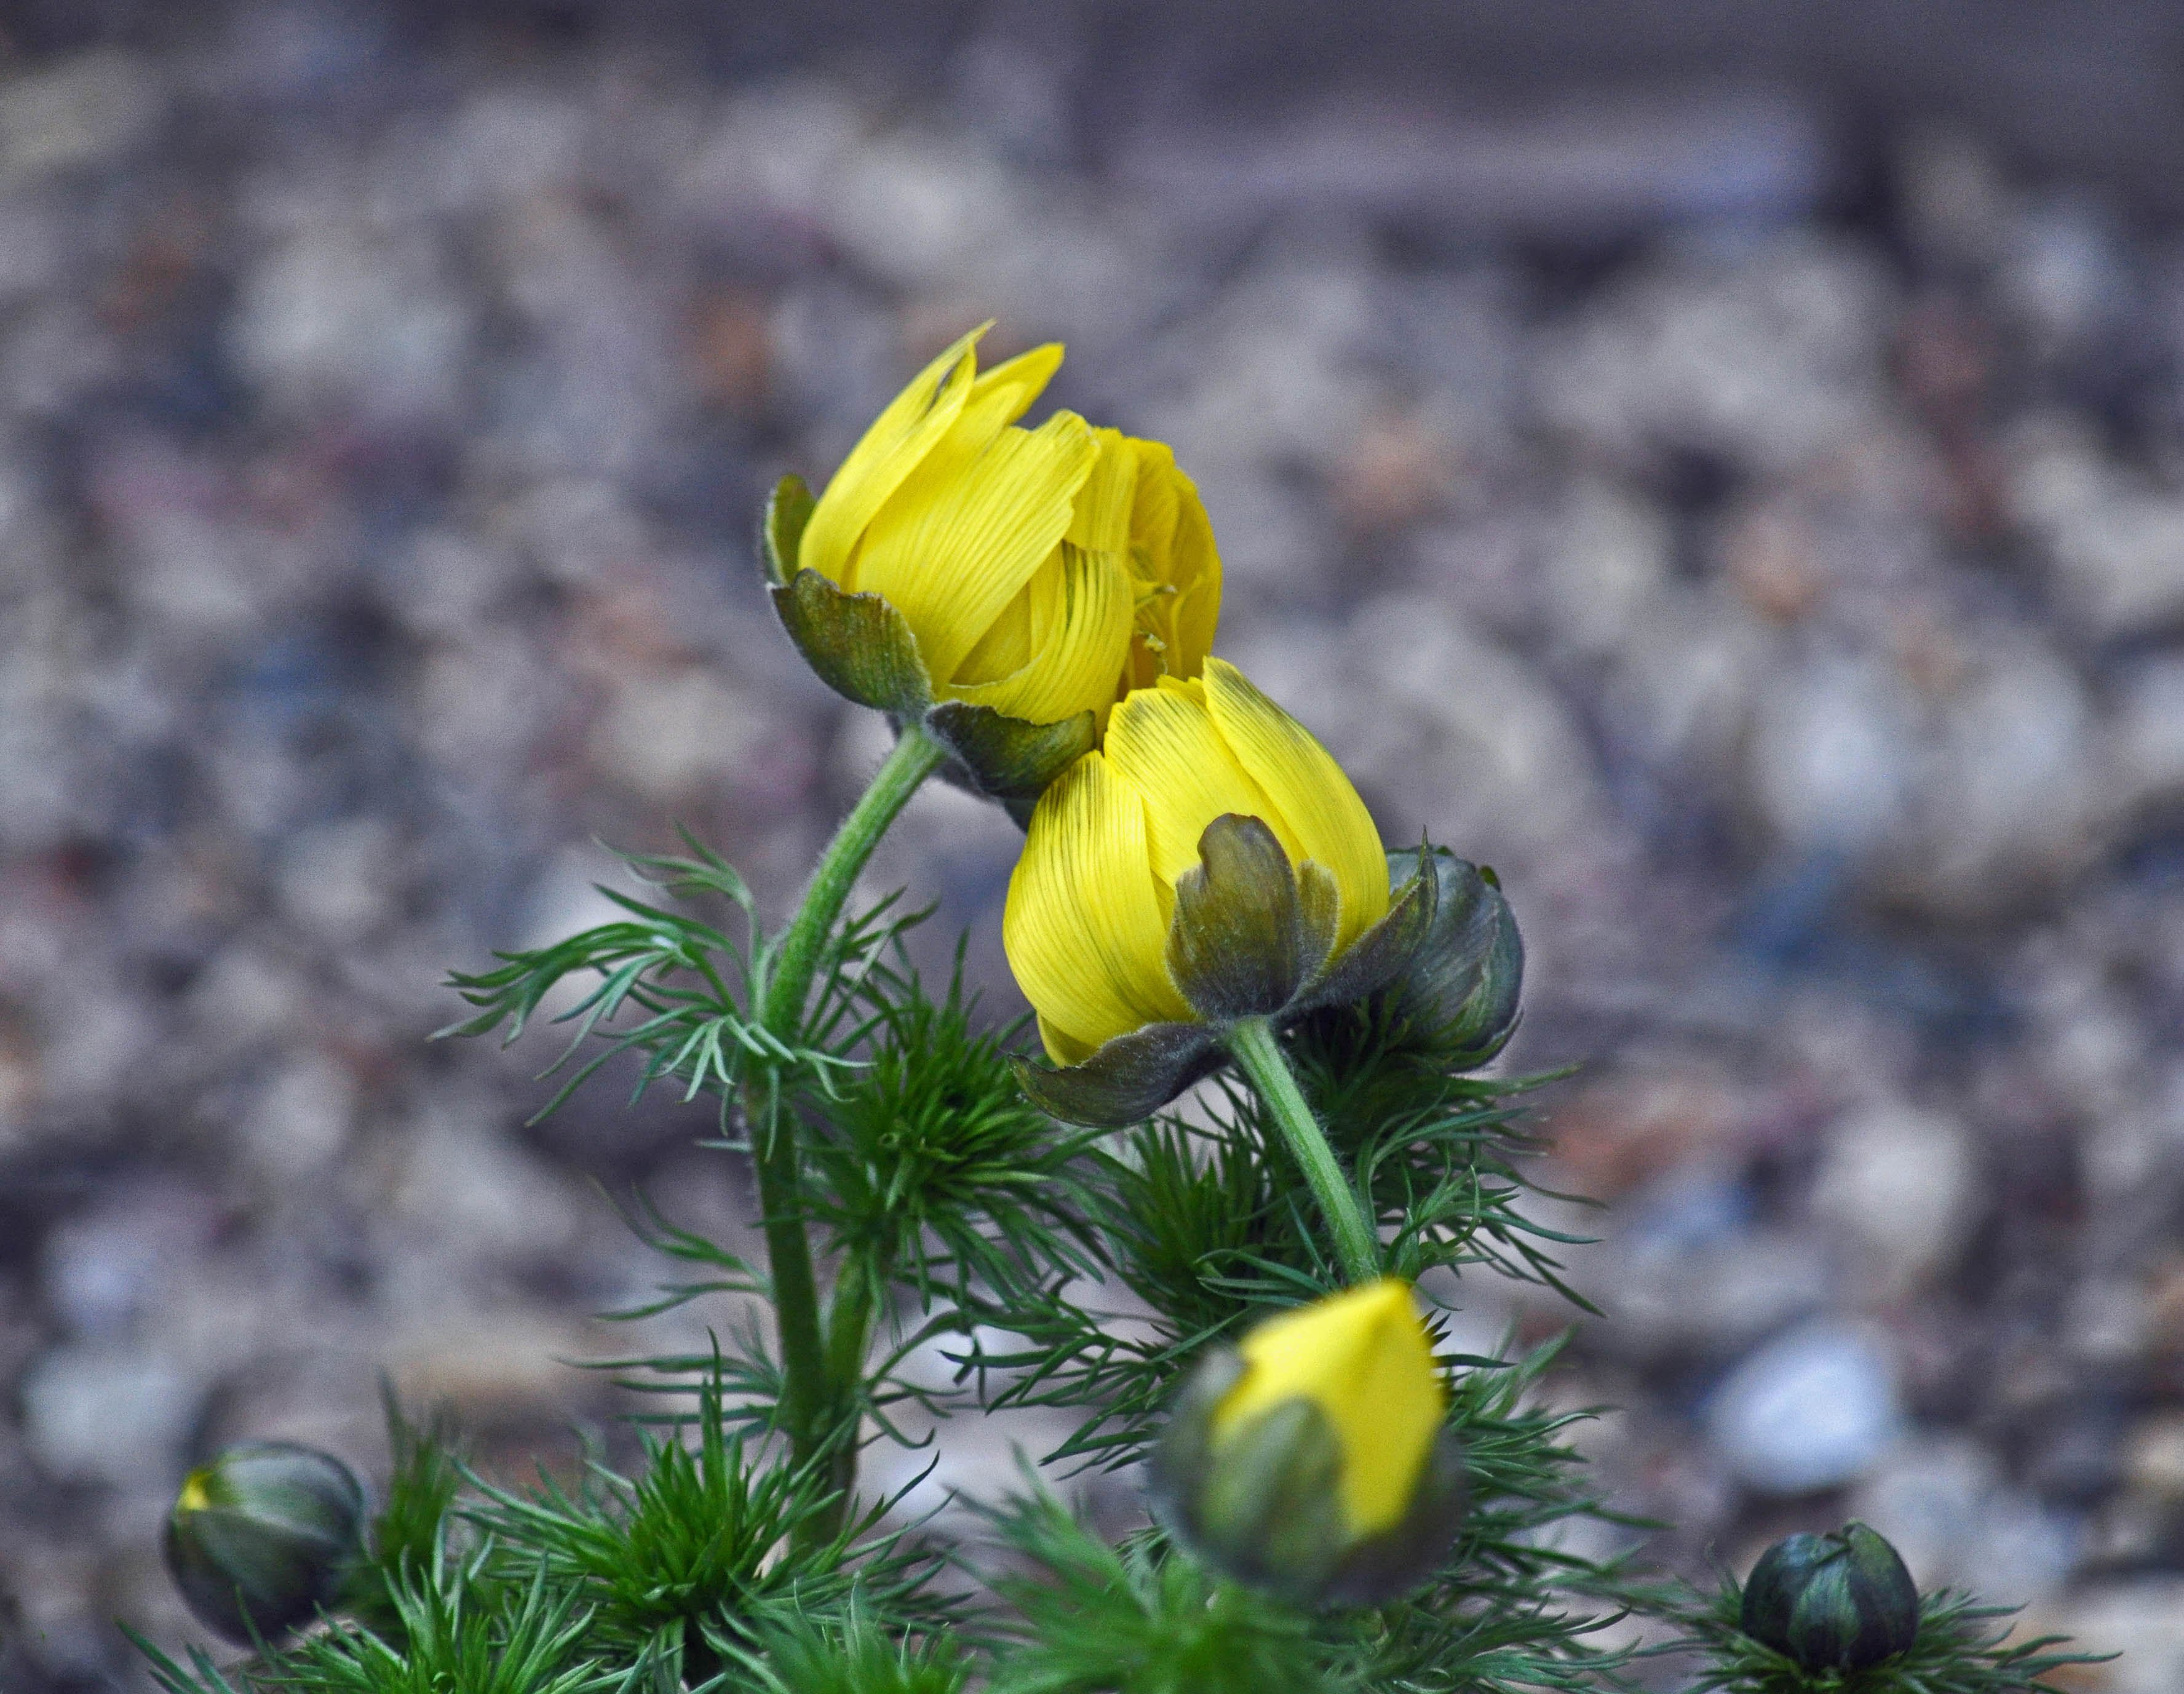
x: 1253, y: 1043
x: 849, y: 1316
x: 812, y: 1407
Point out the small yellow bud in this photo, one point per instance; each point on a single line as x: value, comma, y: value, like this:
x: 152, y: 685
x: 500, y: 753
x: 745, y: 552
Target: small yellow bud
x: 260, y: 1539
x: 1312, y: 1460
x: 1362, y: 1358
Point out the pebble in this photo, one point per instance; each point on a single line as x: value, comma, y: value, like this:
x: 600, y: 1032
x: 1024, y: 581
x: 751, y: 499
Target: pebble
x: 1896, y: 1186
x: 1813, y: 1408
x: 1944, y: 1503
x: 108, y: 1413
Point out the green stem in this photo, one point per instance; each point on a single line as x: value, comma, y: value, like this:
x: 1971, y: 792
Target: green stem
x: 1356, y: 1243
x: 917, y: 756
x: 812, y: 1407
x: 849, y: 1334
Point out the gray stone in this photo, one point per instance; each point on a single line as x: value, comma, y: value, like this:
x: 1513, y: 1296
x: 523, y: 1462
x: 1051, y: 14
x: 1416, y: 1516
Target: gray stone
x: 1813, y: 1408
x: 106, y: 1413
x: 1897, y: 1184
x: 1944, y: 1502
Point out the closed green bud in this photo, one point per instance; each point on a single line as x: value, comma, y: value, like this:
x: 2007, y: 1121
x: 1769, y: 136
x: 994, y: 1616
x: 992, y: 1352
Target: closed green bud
x: 1832, y: 1603
x: 1462, y: 986
x: 1313, y: 1461
x: 261, y: 1538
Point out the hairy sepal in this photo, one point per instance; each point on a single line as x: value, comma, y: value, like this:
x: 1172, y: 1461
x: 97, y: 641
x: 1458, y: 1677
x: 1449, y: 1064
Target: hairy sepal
x: 1007, y: 759
x: 859, y: 646
x: 1245, y: 942
x: 1128, y: 1078
x: 1243, y: 939
x: 788, y: 510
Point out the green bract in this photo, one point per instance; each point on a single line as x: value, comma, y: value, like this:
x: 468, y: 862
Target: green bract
x: 260, y: 1539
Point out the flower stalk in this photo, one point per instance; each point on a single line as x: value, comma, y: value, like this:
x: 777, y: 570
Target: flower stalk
x: 1253, y: 1043
x: 815, y: 1401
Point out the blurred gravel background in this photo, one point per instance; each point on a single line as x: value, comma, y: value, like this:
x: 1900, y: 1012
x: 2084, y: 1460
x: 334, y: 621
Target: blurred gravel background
x: 1725, y: 470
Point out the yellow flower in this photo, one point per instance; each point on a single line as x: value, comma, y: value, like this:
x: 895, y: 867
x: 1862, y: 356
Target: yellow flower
x: 958, y: 560
x: 1313, y: 1459
x: 1361, y: 1357
x: 1094, y: 898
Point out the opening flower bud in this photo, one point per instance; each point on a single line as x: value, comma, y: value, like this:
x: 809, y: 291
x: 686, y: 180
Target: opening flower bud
x: 1312, y: 1460
x: 1840, y: 1602
x: 1210, y: 863
x: 260, y: 1539
x: 1002, y: 586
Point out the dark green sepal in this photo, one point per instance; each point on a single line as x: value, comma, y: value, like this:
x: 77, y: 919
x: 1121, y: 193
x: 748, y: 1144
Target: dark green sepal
x: 860, y: 646
x: 788, y: 510
x: 1462, y: 988
x: 1243, y: 939
x: 1128, y: 1078
x: 1841, y: 1601
x: 1378, y: 956
x: 280, y: 1528
x: 1007, y: 759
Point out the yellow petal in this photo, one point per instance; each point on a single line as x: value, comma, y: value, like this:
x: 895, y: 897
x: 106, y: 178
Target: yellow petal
x: 1061, y: 1047
x: 1071, y: 629
x: 1364, y: 1358
x: 1177, y: 570
x: 1163, y: 742
x: 1101, y: 521
x: 1025, y: 378
x: 1085, y: 928
x: 914, y: 422
x: 1321, y: 815
x: 1195, y: 567
x: 961, y: 537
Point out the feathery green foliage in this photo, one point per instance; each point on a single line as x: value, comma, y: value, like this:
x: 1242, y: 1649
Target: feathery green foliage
x: 1963, y: 1648
x: 915, y: 1201
x: 700, y: 1553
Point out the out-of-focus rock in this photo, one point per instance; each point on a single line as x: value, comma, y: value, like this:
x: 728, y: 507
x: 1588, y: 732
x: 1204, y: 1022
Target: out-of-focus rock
x: 1830, y: 763
x: 1957, y: 1521
x: 339, y: 882
x: 1459, y: 737
x: 2145, y: 742
x: 1954, y: 788
x: 301, y: 1117
x: 1688, y: 1273
x: 911, y: 206
x: 82, y: 112
x: 2153, y: 1458
x: 667, y: 733
x: 1897, y: 1184
x: 2141, y: 1620
x: 1814, y: 1409
x: 1610, y: 556
x: 2115, y: 543
x: 339, y: 317
x: 108, y: 1413
x: 1765, y: 360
